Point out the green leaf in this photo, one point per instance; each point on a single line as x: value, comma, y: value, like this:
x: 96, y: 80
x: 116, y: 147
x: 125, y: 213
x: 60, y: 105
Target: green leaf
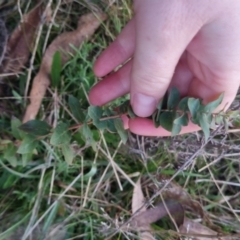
x: 226, y: 122
x: 91, y: 173
x: 209, y: 118
x: 183, y: 104
x: 123, y: 108
x: 203, y: 121
x: 173, y: 99
x: 182, y: 120
x: 28, y: 144
x: 56, y: 69
x: 130, y: 112
x: 26, y: 158
x: 210, y: 107
x: 67, y: 153
x: 95, y: 113
x: 120, y: 129
x: 75, y: 108
x: 176, y: 129
x: 157, y: 113
x: 15, y: 124
x: 36, y: 128
x: 193, y: 105
x: 10, y: 154
x: 61, y: 135
x: 166, y: 120
x: 88, y: 136
x: 110, y: 126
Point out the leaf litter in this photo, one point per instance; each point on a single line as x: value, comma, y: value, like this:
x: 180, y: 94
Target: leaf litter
x: 176, y: 203
x: 65, y: 44
x: 21, y: 41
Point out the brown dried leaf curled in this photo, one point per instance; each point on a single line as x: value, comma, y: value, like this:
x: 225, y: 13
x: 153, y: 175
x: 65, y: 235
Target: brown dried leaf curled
x: 21, y: 41
x: 154, y: 214
x: 199, y: 231
x: 87, y: 25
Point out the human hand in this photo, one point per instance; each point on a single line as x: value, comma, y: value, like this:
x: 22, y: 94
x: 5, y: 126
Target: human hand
x: 189, y: 44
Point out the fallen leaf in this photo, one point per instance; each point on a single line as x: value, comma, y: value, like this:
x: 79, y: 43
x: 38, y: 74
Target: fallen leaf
x: 175, y: 192
x: 142, y: 217
x: 197, y: 229
x: 138, y: 198
x: 21, y: 41
x: 137, y: 202
x: 87, y: 25
x: 158, y: 212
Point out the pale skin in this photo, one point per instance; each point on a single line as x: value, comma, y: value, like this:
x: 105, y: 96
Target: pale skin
x: 190, y: 44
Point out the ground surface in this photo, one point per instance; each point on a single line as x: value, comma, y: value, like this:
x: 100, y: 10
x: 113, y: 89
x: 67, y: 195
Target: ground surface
x: 86, y: 192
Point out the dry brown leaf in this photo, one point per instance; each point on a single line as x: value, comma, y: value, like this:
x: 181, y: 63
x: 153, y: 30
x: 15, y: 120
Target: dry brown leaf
x: 144, y: 217
x: 21, y: 41
x: 154, y: 214
x: 138, y: 198
x: 197, y: 229
x: 175, y: 192
x: 87, y: 25
x: 137, y: 202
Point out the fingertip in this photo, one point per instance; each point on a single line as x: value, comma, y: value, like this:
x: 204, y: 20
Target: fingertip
x: 143, y: 105
x: 125, y: 121
x: 98, y: 68
x: 145, y: 127
x: 93, y: 96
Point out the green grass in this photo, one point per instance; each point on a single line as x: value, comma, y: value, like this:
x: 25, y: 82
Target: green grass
x: 90, y: 198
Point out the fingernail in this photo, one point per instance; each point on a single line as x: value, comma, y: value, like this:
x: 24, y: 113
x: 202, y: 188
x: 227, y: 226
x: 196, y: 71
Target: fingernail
x: 143, y: 105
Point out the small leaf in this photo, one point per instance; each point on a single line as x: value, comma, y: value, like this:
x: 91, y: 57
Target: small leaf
x: 120, y: 129
x: 110, y: 126
x: 193, y: 105
x: 130, y: 112
x: 210, y: 107
x: 203, y: 121
x: 88, y: 136
x: 15, y: 124
x: 182, y: 120
x: 10, y: 154
x: 91, y: 173
x: 28, y: 144
x: 209, y: 118
x: 156, y: 119
x: 75, y: 108
x: 67, y: 153
x: 176, y: 129
x: 123, y: 108
x: 60, y: 135
x: 183, y: 104
x: 166, y: 120
x: 56, y: 69
x: 26, y: 158
x: 157, y: 113
x: 173, y: 99
x: 36, y: 128
x: 95, y: 113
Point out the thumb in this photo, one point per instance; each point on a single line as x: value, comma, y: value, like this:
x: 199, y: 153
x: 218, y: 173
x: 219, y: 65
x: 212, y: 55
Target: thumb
x: 163, y: 31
